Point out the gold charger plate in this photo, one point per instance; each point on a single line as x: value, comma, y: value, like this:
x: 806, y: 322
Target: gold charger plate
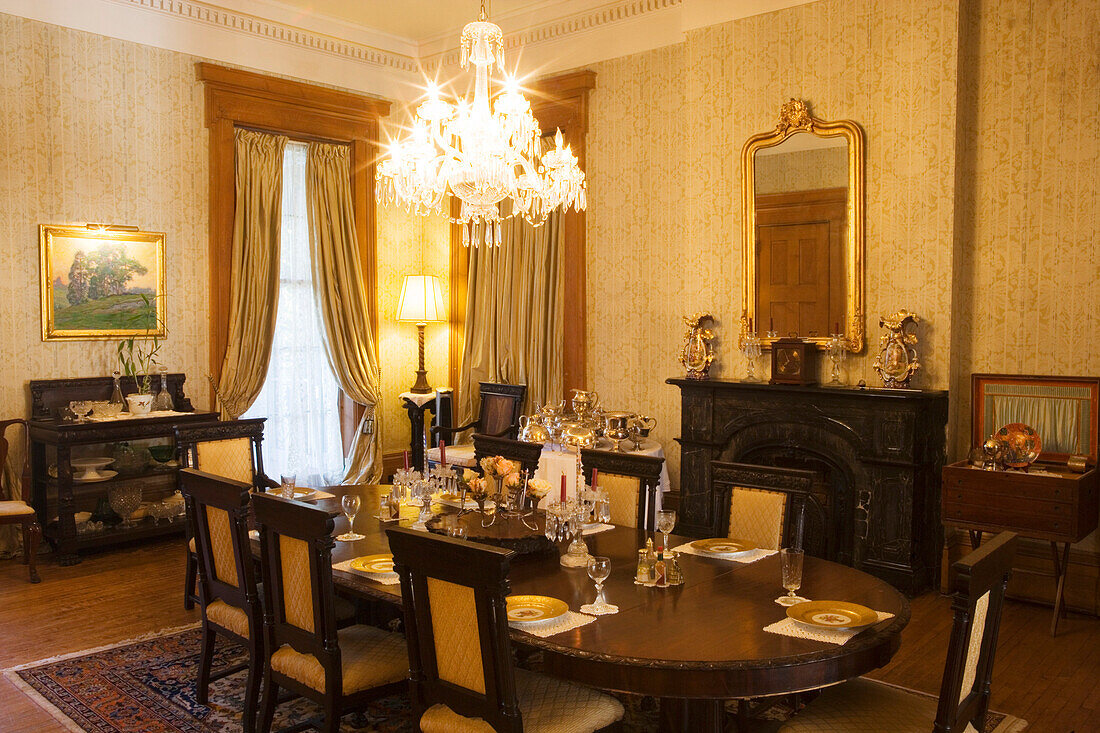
x: 299, y: 494
x: 381, y: 564
x: 532, y: 609
x: 832, y: 614
x: 722, y: 546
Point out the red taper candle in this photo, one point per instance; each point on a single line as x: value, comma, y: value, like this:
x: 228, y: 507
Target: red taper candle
x: 563, y: 488
x: 595, y: 476
x: 443, y: 452
x: 406, y: 460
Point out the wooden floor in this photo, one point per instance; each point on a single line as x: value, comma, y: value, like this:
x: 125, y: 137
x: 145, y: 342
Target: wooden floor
x: 1052, y: 683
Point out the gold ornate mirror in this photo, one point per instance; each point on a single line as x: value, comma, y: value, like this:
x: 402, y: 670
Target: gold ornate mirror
x: 802, y: 232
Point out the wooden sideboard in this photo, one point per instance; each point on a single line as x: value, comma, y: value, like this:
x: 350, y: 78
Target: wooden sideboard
x: 1046, y: 503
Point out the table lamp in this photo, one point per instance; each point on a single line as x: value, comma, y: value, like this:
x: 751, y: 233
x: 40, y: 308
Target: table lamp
x: 421, y: 303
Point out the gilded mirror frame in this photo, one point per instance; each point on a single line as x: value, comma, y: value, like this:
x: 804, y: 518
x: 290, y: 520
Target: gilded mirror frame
x: 795, y: 117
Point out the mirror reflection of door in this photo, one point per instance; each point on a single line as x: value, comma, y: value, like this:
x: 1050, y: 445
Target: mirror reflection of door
x: 801, y: 209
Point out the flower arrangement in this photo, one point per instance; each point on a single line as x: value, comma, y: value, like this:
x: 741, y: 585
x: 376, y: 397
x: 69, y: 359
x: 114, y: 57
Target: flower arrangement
x: 537, y: 488
x: 498, y: 467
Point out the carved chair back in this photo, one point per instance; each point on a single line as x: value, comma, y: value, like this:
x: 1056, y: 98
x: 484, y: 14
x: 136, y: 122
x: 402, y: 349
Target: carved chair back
x: 230, y: 448
x: 17, y: 471
x: 299, y: 605
x: 218, y: 510
x: 978, y: 584
x: 631, y: 481
x: 500, y: 408
x: 456, y: 626
x: 765, y: 504
x: 526, y: 454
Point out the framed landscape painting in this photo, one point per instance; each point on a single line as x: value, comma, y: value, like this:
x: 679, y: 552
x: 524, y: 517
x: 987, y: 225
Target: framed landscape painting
x: 101, y: 283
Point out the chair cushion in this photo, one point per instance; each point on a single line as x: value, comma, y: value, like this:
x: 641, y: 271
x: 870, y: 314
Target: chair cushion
x: 865, y: 706
x: 228, y: 617
x: 457, y: 455
x: 15, y: 508
x: 547, y: 704
x: 369, y: 658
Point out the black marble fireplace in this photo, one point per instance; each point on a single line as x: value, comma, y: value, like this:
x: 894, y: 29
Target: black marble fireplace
x: 876, y: 455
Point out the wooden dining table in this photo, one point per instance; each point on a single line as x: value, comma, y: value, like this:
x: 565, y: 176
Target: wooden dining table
x: 693, y: 646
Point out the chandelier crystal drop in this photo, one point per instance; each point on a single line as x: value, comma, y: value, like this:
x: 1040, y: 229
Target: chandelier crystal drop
x: 482, y: 151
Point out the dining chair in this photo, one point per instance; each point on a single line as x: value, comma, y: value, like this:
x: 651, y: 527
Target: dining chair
x: 764, y: 504
x: 526, y: 454
x: 230, y: 449
x: 341, y: 670
x: 631, y: 480
x: 20, y: 511
x: 978, y: 583
x: 501, y: 406
x: 228, y: 595
x: 462, y: 676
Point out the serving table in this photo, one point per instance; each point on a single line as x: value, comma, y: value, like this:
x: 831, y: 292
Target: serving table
x: 693, y: 646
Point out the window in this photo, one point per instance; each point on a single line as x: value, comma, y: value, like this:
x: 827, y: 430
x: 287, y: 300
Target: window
x: 299, y: 396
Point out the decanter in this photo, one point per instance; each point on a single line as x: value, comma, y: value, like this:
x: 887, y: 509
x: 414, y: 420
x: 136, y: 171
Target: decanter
x: 116, y: 393
x: 163, y: 401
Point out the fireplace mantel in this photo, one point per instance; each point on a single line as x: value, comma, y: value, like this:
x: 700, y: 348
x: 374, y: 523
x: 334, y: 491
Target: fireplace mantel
x: 879, y: 453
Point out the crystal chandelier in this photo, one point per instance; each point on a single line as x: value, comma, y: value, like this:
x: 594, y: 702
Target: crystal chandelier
x: 482, y: 151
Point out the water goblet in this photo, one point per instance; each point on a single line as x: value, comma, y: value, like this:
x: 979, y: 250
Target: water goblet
x: 666, y: 522
x: 603, y: 506
x: 287, y: 483
x: 791, y: 562
x: 350, y: 504
x: 598, y: 569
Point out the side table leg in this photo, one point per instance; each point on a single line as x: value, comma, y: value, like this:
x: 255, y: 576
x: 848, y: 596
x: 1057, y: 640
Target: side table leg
x: 416, y: 428
x: 1061, y: 567
x: 66, y: 519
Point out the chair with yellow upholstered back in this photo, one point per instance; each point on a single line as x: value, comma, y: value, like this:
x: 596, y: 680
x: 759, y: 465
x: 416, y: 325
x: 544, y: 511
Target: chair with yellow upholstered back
x: 342, y: 671
x: 763, y: 504
x: 978, y: 583
x: 631, y: 481
x: 19, y: 511
x: 230, y: 449
x: 227, y: 584
x: 460, y: 659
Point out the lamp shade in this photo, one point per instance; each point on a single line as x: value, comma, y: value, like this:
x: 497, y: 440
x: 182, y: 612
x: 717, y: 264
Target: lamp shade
x: 421, y: 300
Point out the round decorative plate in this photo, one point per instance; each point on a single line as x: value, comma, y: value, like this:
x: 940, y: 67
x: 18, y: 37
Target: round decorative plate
x: 103, y: 474
x: 1020, y: 443
x: 724, y: 546
x: 532, y: 609
x: 832, y: 614
x: 381, y: 564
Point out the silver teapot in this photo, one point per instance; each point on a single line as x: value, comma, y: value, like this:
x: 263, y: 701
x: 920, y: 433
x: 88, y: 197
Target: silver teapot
x: 639, y: 428
x: 531, y: 429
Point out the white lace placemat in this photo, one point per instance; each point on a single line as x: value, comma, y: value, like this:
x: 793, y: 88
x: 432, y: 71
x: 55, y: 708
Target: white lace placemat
x: 567, y: 622
x: 596, y: 529
x: 789, y: 627
x: 383, y: 578
x: 751, y: 556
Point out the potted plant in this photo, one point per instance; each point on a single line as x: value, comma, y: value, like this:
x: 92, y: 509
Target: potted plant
x: 138, y: 358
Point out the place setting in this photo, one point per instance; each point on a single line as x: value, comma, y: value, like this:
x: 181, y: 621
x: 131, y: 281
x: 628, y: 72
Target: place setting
x: 545, y: 616
x: 377, y: 567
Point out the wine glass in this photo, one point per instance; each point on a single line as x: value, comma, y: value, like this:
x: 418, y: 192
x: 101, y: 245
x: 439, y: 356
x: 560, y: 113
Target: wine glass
x: 603, y: 506
x: 791, y: 560
x: 350, y: 504
x: 666, y: 522
x: 598, y: 569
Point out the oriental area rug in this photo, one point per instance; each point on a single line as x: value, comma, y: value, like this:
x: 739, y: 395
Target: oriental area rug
x: 147, y: 685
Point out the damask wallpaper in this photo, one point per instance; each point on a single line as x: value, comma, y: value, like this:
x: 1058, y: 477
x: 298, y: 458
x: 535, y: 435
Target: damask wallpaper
x: 666, y: 129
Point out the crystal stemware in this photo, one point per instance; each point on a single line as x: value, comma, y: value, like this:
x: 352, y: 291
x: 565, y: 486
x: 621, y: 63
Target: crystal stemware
x: 287, y: 482
x: 598, y: 569
x: 603, y: 506
x: 350, y: 504
x: 577, y: 554
x: 666, y: 522
x: 791, y: 562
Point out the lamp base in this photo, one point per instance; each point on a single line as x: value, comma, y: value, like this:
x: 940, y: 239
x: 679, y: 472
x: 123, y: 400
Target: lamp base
x: 421, y: 386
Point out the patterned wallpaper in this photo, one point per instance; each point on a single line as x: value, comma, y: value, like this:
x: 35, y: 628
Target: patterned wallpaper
x: 802, y: 170
x: 666, y: 129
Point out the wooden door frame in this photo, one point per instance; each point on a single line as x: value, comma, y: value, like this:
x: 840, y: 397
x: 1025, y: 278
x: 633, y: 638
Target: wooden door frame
x: 304, y: 112
x: 558, y: 102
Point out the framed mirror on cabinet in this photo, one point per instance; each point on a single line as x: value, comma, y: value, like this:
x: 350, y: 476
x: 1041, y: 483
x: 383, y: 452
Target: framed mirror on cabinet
x: 802, y: 230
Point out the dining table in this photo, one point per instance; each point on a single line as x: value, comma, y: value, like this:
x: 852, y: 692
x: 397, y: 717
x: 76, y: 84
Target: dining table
x: 693, y: 647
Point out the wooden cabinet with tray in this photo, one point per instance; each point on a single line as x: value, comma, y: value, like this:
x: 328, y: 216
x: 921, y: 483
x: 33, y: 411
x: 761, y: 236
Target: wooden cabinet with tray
x: 59, y: 494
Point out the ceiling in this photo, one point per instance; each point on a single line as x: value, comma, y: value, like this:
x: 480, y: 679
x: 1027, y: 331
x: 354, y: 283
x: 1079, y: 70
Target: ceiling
x: 417, y: 20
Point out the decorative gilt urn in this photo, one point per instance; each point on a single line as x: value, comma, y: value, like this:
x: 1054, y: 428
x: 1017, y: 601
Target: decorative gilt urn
x: 897, y: 360
x: 697, y: 353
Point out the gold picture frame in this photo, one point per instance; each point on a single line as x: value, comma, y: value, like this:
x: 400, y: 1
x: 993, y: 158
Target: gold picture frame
x: 116, y: 279
x: 795, y: 117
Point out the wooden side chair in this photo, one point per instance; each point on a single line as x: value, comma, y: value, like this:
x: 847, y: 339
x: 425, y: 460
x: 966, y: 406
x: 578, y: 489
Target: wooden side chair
x: 340, y: 670
x: 230, y: 449
x: 762, y: 504
x: 228, y: 593
x: 501, y: 406
x: 526, y: 454
x: 20, y: 511
x: 978, y: 583
x: 462, y: 676
x: 631, y: 481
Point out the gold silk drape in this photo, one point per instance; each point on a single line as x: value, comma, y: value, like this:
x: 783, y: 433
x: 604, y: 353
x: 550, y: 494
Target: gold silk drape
x: 254, y: 294
x: 514, y: 326
x: 342, y: 300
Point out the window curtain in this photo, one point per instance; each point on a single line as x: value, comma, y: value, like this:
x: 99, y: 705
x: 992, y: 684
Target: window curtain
x: 342, y: 300
x: 255, y: 270
x: 513, y: 332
